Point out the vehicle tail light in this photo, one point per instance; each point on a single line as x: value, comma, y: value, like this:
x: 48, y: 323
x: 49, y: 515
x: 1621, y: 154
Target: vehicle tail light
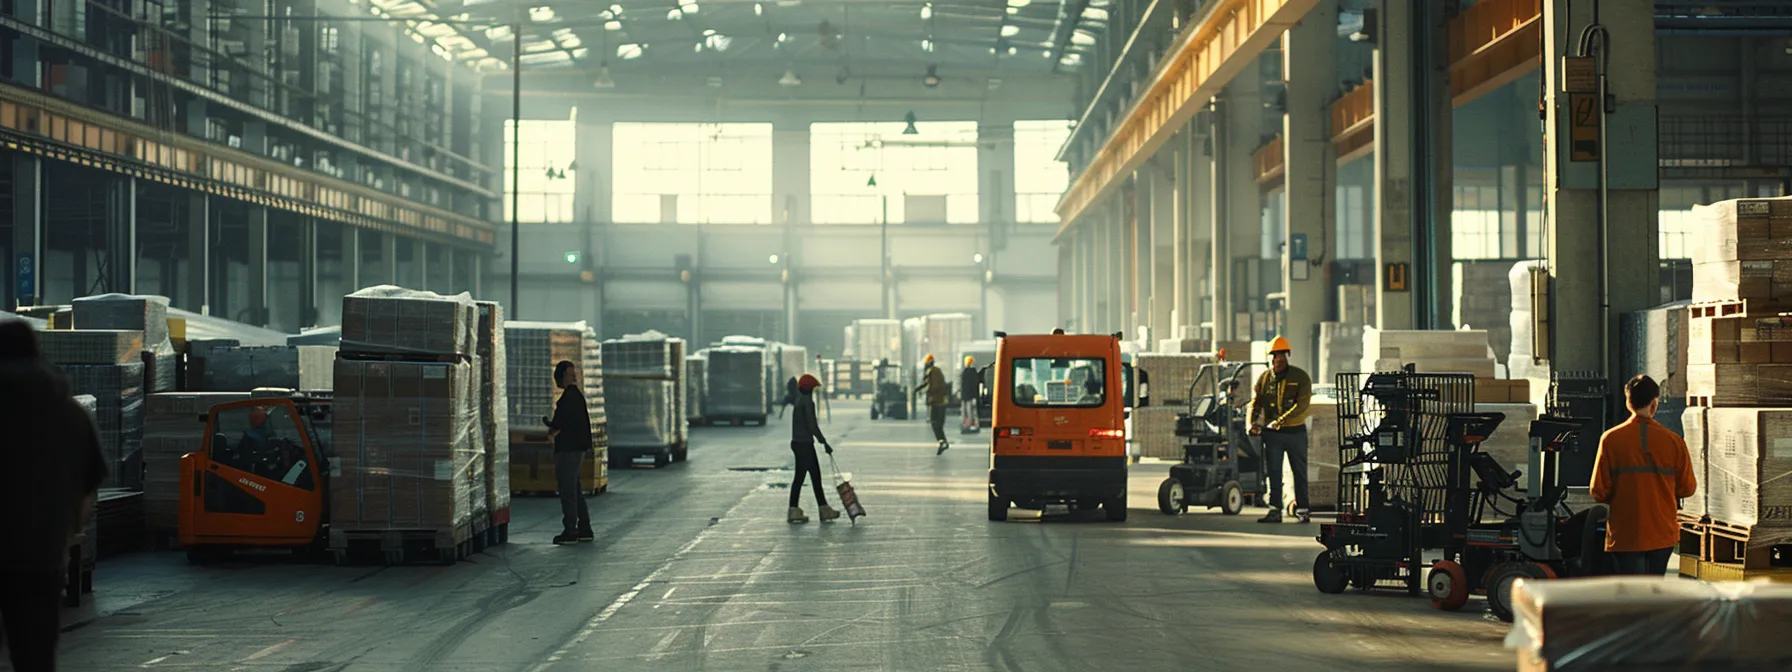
x: 1107, y: 434
x: 1014, y: 431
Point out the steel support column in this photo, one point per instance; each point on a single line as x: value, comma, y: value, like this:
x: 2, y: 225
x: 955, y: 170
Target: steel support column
x: 256, y: 312
x: 27, y: 278
x: 1310, y: 71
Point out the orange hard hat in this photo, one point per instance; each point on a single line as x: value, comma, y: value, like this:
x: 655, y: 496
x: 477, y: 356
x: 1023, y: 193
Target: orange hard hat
x: 1280, y: 345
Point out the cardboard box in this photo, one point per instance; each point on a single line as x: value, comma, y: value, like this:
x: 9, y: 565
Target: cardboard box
x: 1322, y: 454
x: 494, y: 404
x: 171, y: 429
x: 1154, y: 432
x: 1749, y: 467
x: 1692, y: 428
x: 1741, y: 384
x: 532, y: 349
x: 407, y: 444
x: 387, y: 319
x: 1172, y: 374
x: 92, y: 346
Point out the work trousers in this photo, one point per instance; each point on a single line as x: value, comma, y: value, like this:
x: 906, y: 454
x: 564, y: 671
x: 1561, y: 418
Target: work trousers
x: 969, y: 408
x: 575, y: 515
x: 1642, y: 563
x: 30, y: 610
x: 1292, y: 442
x: 807, y: 464
x: 937, y: 415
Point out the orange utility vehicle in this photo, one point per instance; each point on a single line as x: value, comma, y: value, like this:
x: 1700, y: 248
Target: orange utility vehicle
x: 261, y: 481
x: 1059, y: 418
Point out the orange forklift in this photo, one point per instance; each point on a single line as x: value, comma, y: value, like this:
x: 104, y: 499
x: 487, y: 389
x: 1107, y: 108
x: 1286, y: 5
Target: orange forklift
x: 261, y: 480
x: 1059, y: 417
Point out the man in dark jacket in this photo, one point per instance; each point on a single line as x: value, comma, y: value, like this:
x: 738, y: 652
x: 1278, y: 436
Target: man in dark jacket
x: 53, y: 470
x: 570, y: 429
x: 805, y: 432
x: 970, y: 383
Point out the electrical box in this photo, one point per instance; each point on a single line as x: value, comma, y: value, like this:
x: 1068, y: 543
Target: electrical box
x: 1540, y: 312
x: 1629, y: 151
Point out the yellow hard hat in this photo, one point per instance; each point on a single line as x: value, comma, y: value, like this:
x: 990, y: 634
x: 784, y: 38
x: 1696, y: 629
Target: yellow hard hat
x: 1280, y: 345
x: 928, y: 359
x: 969, y: 360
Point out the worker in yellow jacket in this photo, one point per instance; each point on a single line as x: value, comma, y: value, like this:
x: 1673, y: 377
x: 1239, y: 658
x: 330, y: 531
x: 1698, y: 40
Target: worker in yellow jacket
x: 1279, y: 415
x: 933, y: 382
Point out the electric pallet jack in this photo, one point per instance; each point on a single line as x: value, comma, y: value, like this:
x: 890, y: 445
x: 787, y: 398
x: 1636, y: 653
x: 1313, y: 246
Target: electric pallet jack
x: 1222, y: 465
x: 890, y: 399
x: 1540, y: 538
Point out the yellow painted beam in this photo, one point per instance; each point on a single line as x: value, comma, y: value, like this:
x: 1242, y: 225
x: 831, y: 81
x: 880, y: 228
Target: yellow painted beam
x: 1227, y: 38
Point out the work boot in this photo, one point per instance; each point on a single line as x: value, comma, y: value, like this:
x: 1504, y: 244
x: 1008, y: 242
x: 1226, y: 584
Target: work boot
x: 828, y: 513
x: 566, y: 539
x: 586, y: 535
x: 1274, y: 516
x: 796, y: 516
x: 943, y: 447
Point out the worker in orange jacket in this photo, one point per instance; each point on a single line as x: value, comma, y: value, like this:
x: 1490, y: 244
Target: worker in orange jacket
x: 1642, y: 473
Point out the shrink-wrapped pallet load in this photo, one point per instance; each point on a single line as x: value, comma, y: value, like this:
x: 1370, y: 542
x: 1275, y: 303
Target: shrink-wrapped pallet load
x: 172, y: 427
x: 142, y: 313
x: 407, y: 447
x: 1650, y: 625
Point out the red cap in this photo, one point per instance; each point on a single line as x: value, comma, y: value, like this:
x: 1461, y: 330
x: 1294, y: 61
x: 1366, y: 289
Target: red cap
x: 807, y: 382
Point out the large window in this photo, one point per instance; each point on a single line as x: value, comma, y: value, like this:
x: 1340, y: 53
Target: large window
x: 545, y: 190
x: 692, y: 173
x: 1041, y: 381
x: 929, y: 177
x: 1039, y: 178
x: 1676, y: 223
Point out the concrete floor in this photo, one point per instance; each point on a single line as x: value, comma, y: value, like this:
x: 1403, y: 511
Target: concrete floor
x: 695, y: 568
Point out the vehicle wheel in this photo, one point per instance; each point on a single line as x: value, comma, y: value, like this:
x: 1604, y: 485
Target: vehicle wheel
x: 998, y: 509
x: 873, y: 412
x: 1116, y: 508
x: 682, y: 455
x: 1447, y: 585
x: 1501, y: 580
x: 1170, y: 498
x: 1326, y: 575
x: 661, y: 459
x: 1231, y: 498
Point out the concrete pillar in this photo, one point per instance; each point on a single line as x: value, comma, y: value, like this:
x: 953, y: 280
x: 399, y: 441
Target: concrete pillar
x: 1243, y: 133
x: 790, y: 172
x: 419, y: 264
x: 1219, y: 240
x: 995, y: 157
x: 1164, y: 226
x: 1199, y: 205
x: 595, y: 158
x: 351, y: 258
x: 1138, y: 253
x: 1412, y: 164
x: 197, y: 292
x: 389, y: 259
x: 1310, y: 164
x: 121, y: 229
x: 309, y: 293
x: 27, y: 277
x: 257, y: 225
x: 1574, y: 244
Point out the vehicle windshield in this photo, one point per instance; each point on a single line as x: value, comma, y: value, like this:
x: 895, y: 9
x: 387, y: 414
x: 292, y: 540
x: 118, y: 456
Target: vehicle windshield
x: 1060, y: 382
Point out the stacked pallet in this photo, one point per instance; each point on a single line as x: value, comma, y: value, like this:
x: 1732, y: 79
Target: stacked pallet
x: 1665, y: 625
x: 532, y: 350
x: 1154, y: 432
x: 494, y: 415
x: 224, y: 366
x: 147, y: 315
x: 1173, y: 376
x: 694, y: 387
x: 118, y: 414
x: 1460, y: 351
x: 942, y: 336
x: 172, y: 427
x: 735, y: 381
x: 641, y: 385
x: 408, y: 425
x: 875, y: 340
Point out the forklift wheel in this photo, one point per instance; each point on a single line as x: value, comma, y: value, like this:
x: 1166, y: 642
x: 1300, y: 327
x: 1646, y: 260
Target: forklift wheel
x: 1326, y: 575
x: 1501, y: 580
x: 1170, y: 498
x: 874, y: 411
x: 1116, y: 508
x: 1448, y: 585
x: 1231, y: 498
x: 998, y: 509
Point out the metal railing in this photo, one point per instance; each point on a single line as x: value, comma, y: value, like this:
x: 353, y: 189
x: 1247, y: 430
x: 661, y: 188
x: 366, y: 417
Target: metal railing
x: 1718, y: 140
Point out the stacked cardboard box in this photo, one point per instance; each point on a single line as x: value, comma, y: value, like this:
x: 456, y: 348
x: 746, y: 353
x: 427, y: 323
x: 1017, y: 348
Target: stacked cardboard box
x: 532, y: 350
x: 1496, y: 391
x: 1322, y: 455
x: 92, y: 346
x: 1748, y: 465
x: 1182, y: 345
x: 641, y: 386
x: 694, y: 387
x: 1647, y: 624
x: 1739, y: 360
x: 494, y: 404
x: 217, y: 367
x: 876, y: 340
x: 1154, y: 432
x: 942, y: 335
x: 1744, y: 253
x: 734, y: 380
x: 172, y: 428
x: 1172, y: 375
x: 1340, y: 350
x: 1461, y: 351
x: 1692, y: 424
x: 118, y: 413
x: 1657, y: 342
x: 146, y: 314
x: 408, y: 428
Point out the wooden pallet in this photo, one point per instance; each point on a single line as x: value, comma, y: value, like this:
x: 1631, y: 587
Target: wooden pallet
x: 1738, y: 308
x: 402, y: 546
x: 1705, y: 570
x: 417, y: 358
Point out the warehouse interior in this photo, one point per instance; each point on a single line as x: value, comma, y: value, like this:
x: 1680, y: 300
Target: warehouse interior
x: 1518, y: 205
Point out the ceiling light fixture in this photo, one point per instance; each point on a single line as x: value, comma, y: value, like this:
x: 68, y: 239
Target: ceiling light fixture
x: 604, y: 81
x: 790, y: 80
x: 910, y: 130
x: 932, y: 79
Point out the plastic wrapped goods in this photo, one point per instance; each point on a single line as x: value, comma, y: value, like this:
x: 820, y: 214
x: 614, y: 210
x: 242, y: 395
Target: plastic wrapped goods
x: 494, y: 404
x: 172, y: 428
x: 1649, y: 624
x: 118, y: 414
x: 1656, y: 342
x: 1692, y: 421
x: 694, y: 385
x: 143, y: 313
x: 233, y: 369
x: 1740, y: 254
x: 641, y: 390
x: 91, y: 346
x: 387, y: 319
x: 532, y: 349
x: 735, y: 380
x: 1154, y: 431
x: 1748, y: 463
x: 876, y: 340
x: 407, y: 446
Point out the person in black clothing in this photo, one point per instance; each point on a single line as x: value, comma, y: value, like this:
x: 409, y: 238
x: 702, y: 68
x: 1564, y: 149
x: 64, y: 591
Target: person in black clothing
x: 970, y: 382
x: 570, y: 428
x: 805, y: 431
x: 53, y: 471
